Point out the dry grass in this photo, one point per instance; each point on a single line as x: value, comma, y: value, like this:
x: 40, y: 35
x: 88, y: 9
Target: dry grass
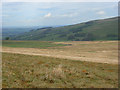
x: 27, y: 71
x: 54, y: 74
x: 103, y: 51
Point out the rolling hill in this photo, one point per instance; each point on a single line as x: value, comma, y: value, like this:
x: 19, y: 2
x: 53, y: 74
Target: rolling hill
x: 104, y: 29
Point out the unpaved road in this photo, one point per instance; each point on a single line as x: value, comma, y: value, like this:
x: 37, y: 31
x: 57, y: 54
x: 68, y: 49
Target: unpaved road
x: 101, y: 52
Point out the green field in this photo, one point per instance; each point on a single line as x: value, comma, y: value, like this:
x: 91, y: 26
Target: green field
x: 30, y: 44
x: 27, y: 71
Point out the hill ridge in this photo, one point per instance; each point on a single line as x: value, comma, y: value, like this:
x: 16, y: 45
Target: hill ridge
x: 103, y: 29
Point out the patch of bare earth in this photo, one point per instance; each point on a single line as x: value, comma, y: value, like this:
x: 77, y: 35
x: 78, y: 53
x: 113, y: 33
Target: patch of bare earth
x: 93, y: 51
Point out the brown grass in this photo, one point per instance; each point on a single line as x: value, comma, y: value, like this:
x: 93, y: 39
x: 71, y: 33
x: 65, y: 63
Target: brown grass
x: 102, y: 51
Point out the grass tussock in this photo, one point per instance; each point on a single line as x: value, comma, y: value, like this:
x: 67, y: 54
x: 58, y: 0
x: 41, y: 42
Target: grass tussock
x: 54, y: 74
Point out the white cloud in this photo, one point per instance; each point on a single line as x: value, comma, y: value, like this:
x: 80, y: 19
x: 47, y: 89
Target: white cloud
x: 48, y: 15
x: 101, y: 12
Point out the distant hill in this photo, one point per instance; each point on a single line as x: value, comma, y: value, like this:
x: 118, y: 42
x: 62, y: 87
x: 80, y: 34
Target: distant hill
x: 11, y: 32
x: 15, y: 31
x: 104, y: 29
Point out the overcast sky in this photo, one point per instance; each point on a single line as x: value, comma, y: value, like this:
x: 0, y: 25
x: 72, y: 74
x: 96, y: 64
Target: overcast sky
x: 20, y: 14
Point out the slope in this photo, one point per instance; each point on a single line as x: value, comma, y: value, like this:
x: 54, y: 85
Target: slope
x: 104, y: 29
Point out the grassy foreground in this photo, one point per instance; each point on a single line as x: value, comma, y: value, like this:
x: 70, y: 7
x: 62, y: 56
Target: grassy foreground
x: 27, y: 71
x: 29, y: 44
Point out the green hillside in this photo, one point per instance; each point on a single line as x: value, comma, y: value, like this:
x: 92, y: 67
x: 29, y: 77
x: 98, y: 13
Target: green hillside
x: 104, y: 29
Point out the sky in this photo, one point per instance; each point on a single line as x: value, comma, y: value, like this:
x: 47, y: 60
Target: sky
x: 28, y: 14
